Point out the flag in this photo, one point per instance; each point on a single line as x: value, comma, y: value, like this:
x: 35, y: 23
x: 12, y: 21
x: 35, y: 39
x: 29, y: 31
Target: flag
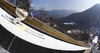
x: 32, y: 14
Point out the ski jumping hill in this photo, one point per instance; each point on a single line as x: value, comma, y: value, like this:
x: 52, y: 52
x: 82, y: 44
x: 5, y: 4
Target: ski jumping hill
x: 32, y: 36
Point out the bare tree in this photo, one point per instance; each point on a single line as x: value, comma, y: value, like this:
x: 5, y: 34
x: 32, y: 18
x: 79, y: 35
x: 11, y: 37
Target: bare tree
x: 41, y: 13
x: 25, y: 4
x: 11, y: 1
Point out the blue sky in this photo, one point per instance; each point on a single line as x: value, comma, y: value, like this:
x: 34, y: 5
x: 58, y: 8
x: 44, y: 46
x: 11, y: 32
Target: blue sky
x: 78, y: 5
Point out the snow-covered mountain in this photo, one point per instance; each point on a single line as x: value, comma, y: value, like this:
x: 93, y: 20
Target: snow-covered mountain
x: 86, y: 19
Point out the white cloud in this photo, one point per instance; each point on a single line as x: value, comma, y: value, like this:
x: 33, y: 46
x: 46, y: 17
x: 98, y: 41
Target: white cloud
x: 32, y: 5
x: 36, y: 7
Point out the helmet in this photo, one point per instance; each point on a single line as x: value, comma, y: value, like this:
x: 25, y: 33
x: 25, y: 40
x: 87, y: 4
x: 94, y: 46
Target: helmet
x: 24, y: 12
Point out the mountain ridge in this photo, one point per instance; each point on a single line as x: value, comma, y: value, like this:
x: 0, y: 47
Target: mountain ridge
x: 60, y: 13
x: 55, y: 13
x: 86, y: 19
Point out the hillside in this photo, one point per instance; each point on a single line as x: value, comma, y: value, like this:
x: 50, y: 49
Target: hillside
x: 86, y: 19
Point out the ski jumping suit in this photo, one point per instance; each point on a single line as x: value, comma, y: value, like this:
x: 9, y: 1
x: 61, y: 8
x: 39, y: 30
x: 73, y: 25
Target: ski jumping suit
x: 22, y: 14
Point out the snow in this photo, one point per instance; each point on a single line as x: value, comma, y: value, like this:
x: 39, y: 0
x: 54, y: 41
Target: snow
x: 95, y: 40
